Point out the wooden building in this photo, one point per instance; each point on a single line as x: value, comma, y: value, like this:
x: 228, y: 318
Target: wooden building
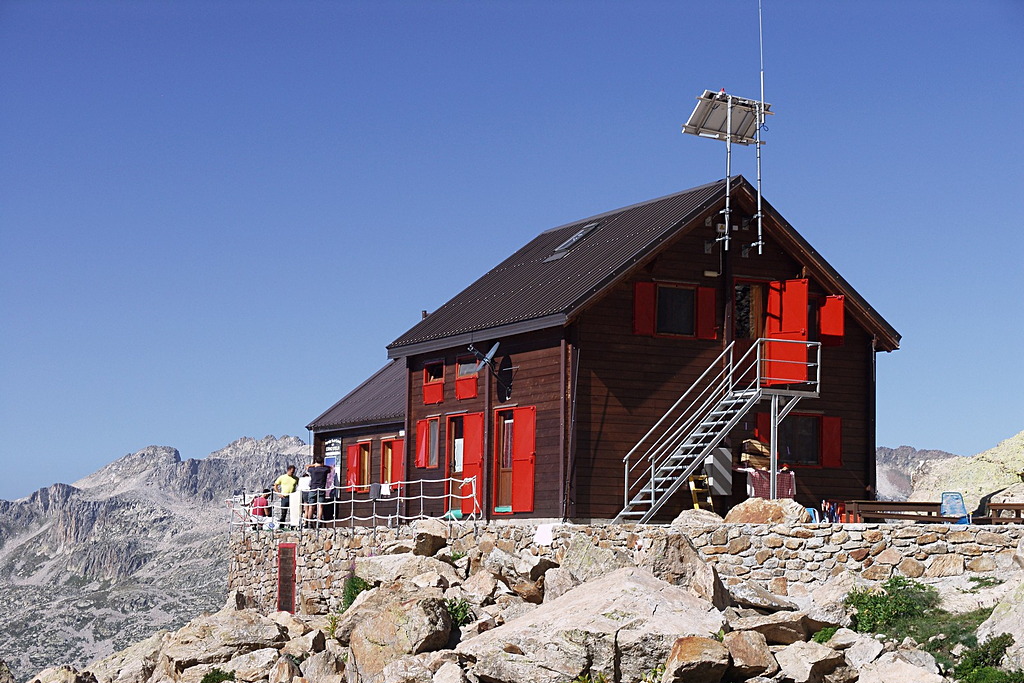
x: 601, y: 325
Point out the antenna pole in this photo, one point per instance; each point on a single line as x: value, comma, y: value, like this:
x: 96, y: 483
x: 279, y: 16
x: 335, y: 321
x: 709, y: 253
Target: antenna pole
x: 728, y: 171
x: 757, y: 134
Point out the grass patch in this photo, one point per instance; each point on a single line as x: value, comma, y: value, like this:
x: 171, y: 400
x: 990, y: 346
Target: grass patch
x: 980, y: 664
x: 216, y: 675
x: 354, y: 585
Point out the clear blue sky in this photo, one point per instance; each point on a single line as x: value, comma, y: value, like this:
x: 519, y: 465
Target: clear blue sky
x: 215, y: 215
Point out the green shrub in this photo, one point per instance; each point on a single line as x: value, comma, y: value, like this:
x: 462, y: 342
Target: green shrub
x: 899, y: 598
x: 460, y: 611
x: 354, y: 585
x: 216, y: 675
x: 825, y: 634
x: 980, y: 664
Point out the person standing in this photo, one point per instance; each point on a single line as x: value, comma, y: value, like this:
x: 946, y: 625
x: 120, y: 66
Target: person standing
x: 284, y: 486
x: 317, y: 494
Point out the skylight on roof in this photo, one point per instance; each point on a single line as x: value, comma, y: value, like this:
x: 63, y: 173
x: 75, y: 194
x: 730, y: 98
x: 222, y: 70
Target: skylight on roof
x: 563, y: 248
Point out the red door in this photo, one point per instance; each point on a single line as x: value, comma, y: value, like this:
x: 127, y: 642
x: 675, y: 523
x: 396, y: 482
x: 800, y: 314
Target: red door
x: 524, y: 455
x: 473, y: 462
x: 786, y: 363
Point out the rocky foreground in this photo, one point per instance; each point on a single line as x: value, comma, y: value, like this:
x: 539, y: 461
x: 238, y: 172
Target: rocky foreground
x: 430, y: 615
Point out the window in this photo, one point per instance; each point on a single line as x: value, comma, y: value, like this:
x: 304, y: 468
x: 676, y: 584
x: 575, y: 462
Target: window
x: 515, y: 439
x: 357, y: 465
x: 465, y: 378
x: 433, y: 383
x: 805, y: 439
x: 392, y: 461
x: 674, y: 310
x: 748, y: 306
x: 427, y: 434
x: 563, y: 248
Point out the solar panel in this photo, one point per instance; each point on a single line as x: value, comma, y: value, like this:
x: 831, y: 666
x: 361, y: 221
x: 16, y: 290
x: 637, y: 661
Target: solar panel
x: 710, y: 118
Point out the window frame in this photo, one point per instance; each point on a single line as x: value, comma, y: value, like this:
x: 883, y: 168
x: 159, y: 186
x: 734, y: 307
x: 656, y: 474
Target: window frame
x: 646, y: 306
x: 830, y: 439
x: 425, y: 439
x: 433, y: 385
x: 466, y: 385
x: 397, y: 456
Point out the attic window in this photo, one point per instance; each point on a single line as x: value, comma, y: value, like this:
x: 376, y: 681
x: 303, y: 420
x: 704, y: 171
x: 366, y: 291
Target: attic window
x: 563, y: 248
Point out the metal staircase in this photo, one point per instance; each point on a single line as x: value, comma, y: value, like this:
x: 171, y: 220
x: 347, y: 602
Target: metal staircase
x: 677, y: 446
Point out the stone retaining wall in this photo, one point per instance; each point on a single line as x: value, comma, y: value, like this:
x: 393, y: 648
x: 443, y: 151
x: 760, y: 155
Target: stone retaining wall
x: 780, y: 557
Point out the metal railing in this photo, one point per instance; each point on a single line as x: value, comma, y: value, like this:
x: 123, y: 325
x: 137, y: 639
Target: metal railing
x: 701, y: 417
x: 392, y: 505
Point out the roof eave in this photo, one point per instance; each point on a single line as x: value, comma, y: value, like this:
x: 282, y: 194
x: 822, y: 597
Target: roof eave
x: 476, y: 336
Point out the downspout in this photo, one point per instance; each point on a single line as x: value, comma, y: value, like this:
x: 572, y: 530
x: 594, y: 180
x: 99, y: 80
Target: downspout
x: 561, y: 426
x: 869, y: 459
x: 485, y: 468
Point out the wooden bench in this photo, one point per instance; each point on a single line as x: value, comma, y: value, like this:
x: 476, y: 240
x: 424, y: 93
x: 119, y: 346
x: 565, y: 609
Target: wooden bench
x: 995, y: 515
x: 881, y: 510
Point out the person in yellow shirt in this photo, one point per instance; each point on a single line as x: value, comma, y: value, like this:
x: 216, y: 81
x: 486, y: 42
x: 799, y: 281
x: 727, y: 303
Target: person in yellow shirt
x: 284, y: 486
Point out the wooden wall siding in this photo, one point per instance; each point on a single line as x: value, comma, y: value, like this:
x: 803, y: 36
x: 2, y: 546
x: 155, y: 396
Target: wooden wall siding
x: 537, y: 382
x: 376, y: 434
x: 626, y: 382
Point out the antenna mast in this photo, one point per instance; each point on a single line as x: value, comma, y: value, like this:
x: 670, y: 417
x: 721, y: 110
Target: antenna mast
x: 722, y: 116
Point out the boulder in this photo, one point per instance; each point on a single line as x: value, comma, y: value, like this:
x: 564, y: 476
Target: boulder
x: 696, y: 659
x: 623, y: 624
x: 1008, y: 617
x: 323, y: 667
x: 284, y: 671
x: 671, y: 557
x: 912, y: 655
x: 807, y: 662
x: 449, y: 672
x: 252, y: 666
x: 134, y: 664
x: 750, y: 656
x: 310, y: 643
x: 398, y: 628
x: 294, y: 626
x: 827, y: 602
x: 749, y: 594
x: 63, y: 674
x: 764, y: 511
x: 558, y: 582
x: 480, y: 587
x: 890, y: 670
x: 586, y: 561
x: 779, y: 628
x: 216, y: 638
x: 382, y: 569
x: 405, y: 670
x: 697, y: 518
x: 862, y: 650
x: 429, y: 536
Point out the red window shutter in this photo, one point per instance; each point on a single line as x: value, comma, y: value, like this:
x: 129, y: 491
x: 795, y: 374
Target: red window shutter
x: 473, y: 462
x: 763, y: 428
x: 422, y: 443
x: 787, y: 319
x: 398, y: 460
x: 433, y: 392
x: 644, y: 307
x: 352, y: 466
x: 524, y: 455
x: 706, y: 313
x: 831, y: 441
x: 465, y: 387
x: 832, y: 321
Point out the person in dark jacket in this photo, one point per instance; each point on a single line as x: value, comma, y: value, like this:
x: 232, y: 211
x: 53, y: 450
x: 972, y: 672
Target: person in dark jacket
x: 317, y: 493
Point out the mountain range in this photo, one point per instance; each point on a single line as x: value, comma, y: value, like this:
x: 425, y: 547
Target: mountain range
x: 92, y: 567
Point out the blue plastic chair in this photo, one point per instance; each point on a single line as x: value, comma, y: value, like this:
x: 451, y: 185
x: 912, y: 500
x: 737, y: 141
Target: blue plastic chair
x: 953, y: 506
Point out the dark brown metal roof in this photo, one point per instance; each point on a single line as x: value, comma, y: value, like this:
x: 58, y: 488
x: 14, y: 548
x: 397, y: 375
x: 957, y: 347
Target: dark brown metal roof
x: 536, y: 288
x: 378, y: 400
x: 529, y: 286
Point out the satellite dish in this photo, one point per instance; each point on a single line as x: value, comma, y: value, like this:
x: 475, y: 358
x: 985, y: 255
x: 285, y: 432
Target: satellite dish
x: 484, y: 359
